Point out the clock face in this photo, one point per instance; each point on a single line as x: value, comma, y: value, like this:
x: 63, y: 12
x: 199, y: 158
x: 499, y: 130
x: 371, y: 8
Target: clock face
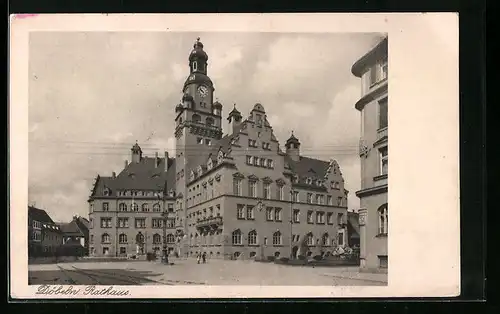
x: 203, y: 90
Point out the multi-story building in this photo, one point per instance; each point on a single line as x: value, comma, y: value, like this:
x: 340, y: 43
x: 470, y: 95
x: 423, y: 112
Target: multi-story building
x: 44, y: 236
x: 372, y: 68
x: 237, y: 195
x: 126, y: 211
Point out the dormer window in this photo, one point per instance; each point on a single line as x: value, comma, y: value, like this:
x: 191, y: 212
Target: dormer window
x: 308, y: 180
x: 220, y: 157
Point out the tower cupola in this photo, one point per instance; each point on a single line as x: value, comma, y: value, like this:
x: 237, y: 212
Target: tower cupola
x: 293, y: 147
x: 234, y: 119
x: 136, y: 153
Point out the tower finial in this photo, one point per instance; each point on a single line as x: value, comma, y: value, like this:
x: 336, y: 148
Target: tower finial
x: 197, y: 38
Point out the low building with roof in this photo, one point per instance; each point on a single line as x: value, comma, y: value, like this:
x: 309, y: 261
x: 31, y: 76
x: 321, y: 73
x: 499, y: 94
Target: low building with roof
x: 234, y: 195
x: 76, y: 233
x: 44, y: 235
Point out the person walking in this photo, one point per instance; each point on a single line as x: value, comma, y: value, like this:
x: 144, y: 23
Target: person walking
x: 198, y: 257
x: 204, y: 256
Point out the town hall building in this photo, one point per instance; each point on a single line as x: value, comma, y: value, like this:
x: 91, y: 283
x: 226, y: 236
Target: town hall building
x: 234, y: 194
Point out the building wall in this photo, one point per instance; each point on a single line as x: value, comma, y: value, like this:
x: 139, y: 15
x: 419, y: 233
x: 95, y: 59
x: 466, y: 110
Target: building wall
x: 372, y: 245
x: 51, y: 240
x: 113, y: 246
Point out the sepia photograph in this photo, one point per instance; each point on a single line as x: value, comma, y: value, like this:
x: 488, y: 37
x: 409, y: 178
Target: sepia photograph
x: 209, y: 158
x: 225, y: 157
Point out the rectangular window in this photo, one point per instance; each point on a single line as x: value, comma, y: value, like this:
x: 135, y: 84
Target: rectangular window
x: 199, y: 140
x: 296, y: 216
x: 170, y: 208
x: 157, y: 223
x: 318, y: 199
x: 269, y: 214
x: 250, y: 212
x: 105, y: 222
x: 122, y: 222
x: 329, y: 199
x: 384, y: 161
x: 256, y: 161
x: 385, y: 69
x: 340, y: 238
x: 383, y: 261
x: 170, y: 223
x: 267, y: 191
x: 252, y: 189
x: 277, y: 214
x: 309, y: 198
x: 262, y: 162
x: 310, y: 217
x: 374, y: 74
x: 208, y: 142
x: 295, y: 196
x: 340, y: 218
x: 320, y: 217
x: 249, y: 160
x: 280, y: 194
x: 240, y: 211
x: 140, y: 223
x: 237, y: 186
x: 382, y: 114
x: 339, y: 201
x: 329, y: 218
x: 270, y: 163
x: 123, y: 250
x: 91, y: 223
x: 105, y: 207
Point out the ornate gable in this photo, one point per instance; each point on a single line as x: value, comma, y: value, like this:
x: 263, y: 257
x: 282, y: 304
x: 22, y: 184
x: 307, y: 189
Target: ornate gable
x: 238, y: 175
x: 267, y: 180
x: 253, y: 177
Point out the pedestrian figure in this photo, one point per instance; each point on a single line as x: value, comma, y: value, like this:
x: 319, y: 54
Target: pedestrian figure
x: 204, y: 256
x: 198, y: 257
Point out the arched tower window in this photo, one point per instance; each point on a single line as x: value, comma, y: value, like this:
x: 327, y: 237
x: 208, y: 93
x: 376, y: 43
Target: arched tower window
x: 122, y: 238
x: 170, y: 238
x: 236, y: 237
x: 156, y: 238
x: 196, y: 118
x: 277, y: 238
x: 252, y: 237
x: 382, y: 219
x: 195, y: 66
x: 210, y: 121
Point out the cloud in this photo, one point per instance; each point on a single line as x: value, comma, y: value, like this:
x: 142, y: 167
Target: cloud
x: 92, y: 95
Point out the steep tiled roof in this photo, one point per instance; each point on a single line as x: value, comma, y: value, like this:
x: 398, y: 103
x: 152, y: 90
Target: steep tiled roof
x: 139, y: 176
x: 71, y: 229
x: 39, y: 215
x: 307, y: 167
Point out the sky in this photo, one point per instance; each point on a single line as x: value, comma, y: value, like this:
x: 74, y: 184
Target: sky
x: 93, y: 94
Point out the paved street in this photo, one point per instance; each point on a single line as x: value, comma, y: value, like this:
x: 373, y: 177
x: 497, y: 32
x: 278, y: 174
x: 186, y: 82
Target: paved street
x: 187, y: 271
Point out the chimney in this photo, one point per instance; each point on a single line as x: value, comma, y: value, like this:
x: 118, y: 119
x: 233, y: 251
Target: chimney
x: 126, y: 163
x: 166, y: 160
x: 156, y: 160
x: 114, y: 175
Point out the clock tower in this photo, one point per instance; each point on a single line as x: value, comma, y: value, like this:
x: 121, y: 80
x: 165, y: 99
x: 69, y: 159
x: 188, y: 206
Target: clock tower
x: 198, y: 121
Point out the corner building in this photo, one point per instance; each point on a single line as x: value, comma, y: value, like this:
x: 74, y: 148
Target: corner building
x: 372, y: 69
x: 238, y: 195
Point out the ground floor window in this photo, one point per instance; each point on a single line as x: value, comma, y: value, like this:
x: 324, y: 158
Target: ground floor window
x: 123, y: 250
x: 382, y: 261
x: 92, y: 250
x: 105, y: 250
x: 276, y: 254
x: 236, y: 254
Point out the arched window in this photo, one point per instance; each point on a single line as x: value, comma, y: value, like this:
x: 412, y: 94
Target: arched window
x: 156, y: 238
x: 156, y: 208
x: 105, y: 238
x: 135, y: 207
x: 139, y: 238
x: 170, y: 238
x: 195, y: 66
x: 122, y: 207
x: 382, y: 219
x: 196, y: 118
x: 252, y: 237
x: 236, y: 237
x: 209, y: 121
x: 277, y: 238
x: 122, y: 238
x: 310, y: 239
x: 325, y: 240
x: 145, y: 207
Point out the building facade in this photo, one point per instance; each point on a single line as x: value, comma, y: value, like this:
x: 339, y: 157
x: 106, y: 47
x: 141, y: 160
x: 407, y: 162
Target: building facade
x: 372, y: 69
x: 44, y: 236
x: 76, y: 232
x: 236, y: 195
